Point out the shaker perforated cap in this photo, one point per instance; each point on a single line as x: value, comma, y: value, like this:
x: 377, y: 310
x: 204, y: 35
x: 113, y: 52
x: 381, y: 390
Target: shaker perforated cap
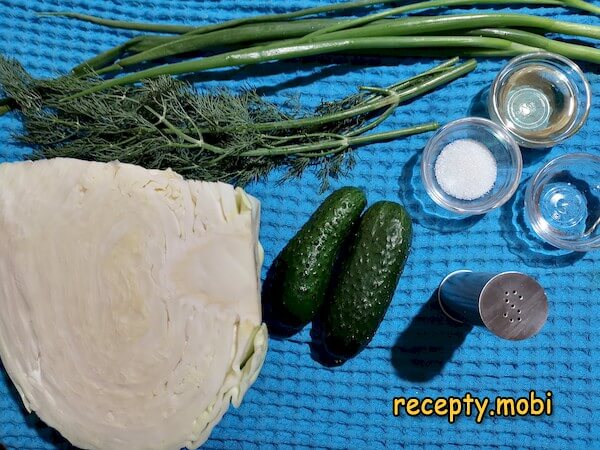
x: 510, y: 304
x: 513, y: 306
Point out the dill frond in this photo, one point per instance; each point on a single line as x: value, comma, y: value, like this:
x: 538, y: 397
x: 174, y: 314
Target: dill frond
x: 208, y: 135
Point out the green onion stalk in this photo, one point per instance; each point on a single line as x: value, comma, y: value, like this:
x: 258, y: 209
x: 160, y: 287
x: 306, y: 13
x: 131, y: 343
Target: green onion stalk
x: 326, y: 9
x: 573, y: 51
x: 289, y: 50
x: 181, y: 29
x: 578, y: 4
x: 149, y: 48
x: 268, y: 27
x: 302, y: 33
x: 396, y: 27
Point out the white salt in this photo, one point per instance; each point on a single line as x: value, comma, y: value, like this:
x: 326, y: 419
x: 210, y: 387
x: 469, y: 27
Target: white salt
x: 466, y: 169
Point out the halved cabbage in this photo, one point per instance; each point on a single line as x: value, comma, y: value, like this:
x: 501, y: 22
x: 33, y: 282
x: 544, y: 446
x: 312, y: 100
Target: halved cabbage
x: 130, y: 300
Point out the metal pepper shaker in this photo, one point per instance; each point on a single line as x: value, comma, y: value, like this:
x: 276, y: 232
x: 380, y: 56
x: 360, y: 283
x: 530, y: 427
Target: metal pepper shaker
x: 511, y: 305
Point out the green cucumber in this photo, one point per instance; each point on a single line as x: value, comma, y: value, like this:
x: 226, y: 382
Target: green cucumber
x: 297, y: 282
x: 363, y: 287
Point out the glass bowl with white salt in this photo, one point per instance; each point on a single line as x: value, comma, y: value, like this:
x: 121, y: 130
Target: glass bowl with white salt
x: 471, y: 166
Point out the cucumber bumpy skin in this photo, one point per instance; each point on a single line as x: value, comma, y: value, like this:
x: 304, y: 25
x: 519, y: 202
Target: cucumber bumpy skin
x: 296, y: 285
x: 363, y: 287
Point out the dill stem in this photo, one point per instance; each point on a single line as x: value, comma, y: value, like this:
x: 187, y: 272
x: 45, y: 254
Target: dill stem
x: 393, y: 98
x: 341, y: 143
x: 6, y: 105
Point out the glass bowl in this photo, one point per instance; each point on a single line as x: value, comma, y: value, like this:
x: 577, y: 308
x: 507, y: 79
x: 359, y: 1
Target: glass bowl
x: 562, y: 202
x: 541, y: 98
x: 502, y: 146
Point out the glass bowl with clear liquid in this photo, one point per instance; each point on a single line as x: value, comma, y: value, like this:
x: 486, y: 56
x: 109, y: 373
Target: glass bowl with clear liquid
x: 562, y: 202
x: 540, y: 98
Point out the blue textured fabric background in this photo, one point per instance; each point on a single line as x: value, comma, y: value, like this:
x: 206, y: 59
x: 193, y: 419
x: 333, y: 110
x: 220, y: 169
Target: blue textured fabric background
x: 298, y: 403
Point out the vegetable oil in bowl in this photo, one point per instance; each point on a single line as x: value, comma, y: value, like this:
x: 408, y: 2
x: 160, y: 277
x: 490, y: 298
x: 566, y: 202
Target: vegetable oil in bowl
x: 538, y: 102
x: 540, y: 98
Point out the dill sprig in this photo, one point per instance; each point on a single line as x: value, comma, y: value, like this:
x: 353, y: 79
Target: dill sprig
x: 214, y: 136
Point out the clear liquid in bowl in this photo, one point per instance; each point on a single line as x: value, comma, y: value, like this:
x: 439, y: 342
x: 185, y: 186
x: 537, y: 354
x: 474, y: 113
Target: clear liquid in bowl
x: 571, y: 206
x: 538, y: 102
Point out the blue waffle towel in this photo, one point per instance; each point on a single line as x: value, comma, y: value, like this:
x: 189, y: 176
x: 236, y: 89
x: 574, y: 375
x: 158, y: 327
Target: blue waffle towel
x: 296, y: 403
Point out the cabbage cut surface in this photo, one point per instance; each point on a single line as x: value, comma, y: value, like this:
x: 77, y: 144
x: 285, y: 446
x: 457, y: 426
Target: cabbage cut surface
x: 129, y: 300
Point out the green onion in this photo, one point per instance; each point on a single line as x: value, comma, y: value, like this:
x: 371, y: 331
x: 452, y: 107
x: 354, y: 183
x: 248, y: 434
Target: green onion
x: 573, y: 51
x: 280, y: 39
x: 426, y: 5
x: 168, y: 47
x: 397, y: 27
x: 125, y: 25
x: 179, y: 29
x: 279, y: 52
x: 420, y: 25
x: 582, y: 5
x: 134, y: 45
x: 253, y: 33
x: 109, y: 55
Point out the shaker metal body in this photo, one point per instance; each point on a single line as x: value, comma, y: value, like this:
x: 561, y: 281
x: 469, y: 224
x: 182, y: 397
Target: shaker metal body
x: 510, y: 304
